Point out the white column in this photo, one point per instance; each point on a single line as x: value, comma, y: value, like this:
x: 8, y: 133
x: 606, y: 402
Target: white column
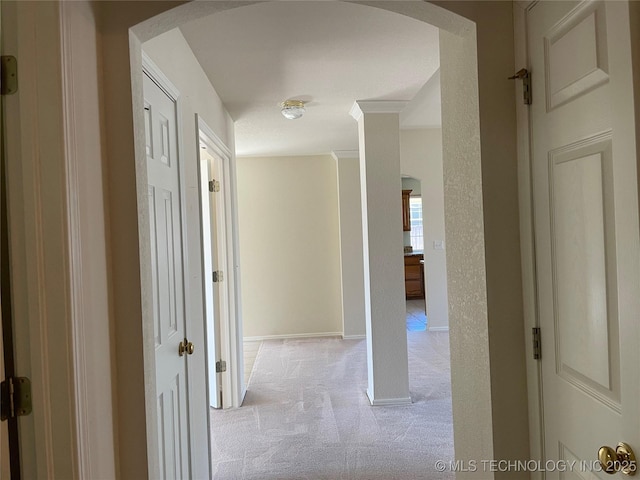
x: 385, y: 307
x: 351, y: 262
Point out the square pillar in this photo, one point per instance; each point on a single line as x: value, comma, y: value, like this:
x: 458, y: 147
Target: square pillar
x: 383, y: 254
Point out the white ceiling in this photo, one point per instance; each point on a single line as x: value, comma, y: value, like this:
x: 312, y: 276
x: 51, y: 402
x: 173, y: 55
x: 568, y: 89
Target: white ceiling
x: 328, y: 54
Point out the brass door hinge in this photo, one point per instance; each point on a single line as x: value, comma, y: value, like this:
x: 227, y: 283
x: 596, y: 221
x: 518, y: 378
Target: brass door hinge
x: 214, y: 186
x: 537, y: 343
x: 8, y: 75
x: 525, y: 76
x: 16, y: 397
x: 218, y: 276
x: 221, y: 366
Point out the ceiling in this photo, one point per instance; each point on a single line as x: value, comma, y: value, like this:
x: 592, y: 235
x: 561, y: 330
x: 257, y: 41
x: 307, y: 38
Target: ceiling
x: 328, y: 54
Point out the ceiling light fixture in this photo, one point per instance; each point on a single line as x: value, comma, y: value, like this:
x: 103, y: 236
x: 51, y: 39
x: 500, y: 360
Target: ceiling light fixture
x: 292, y: 109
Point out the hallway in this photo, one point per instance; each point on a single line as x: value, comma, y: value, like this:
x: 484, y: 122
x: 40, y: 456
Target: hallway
x: 306, y: 415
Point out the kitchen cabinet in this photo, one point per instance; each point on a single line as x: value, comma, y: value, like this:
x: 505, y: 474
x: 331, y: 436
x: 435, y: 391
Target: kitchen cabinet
x: 406, y: 214
x: 414, y: 276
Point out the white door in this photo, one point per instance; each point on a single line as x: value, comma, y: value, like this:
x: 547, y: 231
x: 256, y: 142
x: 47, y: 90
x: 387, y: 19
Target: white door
x: 586, y: 228
x: 210, y: 265
x: 212, y: 185
x: 168, y: 279
x: 220, y: 261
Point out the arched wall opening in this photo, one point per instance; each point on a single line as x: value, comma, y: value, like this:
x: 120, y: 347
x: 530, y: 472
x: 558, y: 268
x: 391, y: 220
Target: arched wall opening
x: 481, y: 221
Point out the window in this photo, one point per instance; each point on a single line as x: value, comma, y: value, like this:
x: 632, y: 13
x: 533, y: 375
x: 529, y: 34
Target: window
x: 417, y: 233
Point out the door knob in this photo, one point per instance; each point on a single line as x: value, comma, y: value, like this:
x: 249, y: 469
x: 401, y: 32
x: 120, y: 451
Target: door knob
x: 185, y: 347
x: 622, y: 459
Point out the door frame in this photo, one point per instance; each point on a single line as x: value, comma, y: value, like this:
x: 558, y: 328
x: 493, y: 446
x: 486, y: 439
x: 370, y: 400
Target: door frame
x: 233, y: 387
x: 527, y: 238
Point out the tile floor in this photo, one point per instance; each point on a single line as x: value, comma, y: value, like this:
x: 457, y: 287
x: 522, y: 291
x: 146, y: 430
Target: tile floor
x: 416, y: 316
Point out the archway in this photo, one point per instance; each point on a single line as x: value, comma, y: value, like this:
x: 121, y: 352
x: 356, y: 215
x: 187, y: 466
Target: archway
x: 471, y: 90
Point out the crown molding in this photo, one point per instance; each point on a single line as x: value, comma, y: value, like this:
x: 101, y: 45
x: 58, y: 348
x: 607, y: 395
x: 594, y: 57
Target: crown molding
x: 360, y: 107
x: 343, y: 154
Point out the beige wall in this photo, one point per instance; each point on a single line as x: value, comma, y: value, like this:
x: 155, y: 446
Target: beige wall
x: 289, y: 242
x: 421, y: 158
x: 351, y: 246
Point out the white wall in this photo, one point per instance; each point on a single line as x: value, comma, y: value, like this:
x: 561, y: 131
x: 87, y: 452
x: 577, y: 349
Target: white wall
x: 413, y: 184
x: 171, y: 52
x: 421, y: 158
x: 289, y: 242
x: 83, y: 41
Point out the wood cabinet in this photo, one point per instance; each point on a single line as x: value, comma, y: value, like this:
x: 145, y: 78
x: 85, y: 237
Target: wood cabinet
x: 414, y: 276
x: 406, y: 214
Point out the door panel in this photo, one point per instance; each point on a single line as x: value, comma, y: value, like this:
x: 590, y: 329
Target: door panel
x: 586, y: 228
x: 168, y: 275
x: 215, y: 259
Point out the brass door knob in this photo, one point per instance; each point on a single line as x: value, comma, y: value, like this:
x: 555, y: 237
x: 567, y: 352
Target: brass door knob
x: 185, y: 347
x: 622, y: 459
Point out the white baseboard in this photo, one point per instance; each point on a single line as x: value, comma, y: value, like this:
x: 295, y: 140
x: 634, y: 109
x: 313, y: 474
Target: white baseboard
x: 387, y: 402
x: 353, y: 337
x: 438, y: 329
x: 261, y: 338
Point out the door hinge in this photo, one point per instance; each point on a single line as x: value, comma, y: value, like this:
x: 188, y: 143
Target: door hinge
x: 537, y: 344
x: 16, y: 397
x: 214, y: 186
x: 221, y: 366
x: 525, y: 76
x: 8, y: 75
x: 218, y: 276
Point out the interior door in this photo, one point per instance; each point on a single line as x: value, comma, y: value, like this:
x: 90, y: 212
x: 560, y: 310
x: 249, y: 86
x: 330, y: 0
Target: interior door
x: 211, y: 291
x: 216, y: 284
x: 586, y: 228
x: 167, y: 277
x: 220, y: 262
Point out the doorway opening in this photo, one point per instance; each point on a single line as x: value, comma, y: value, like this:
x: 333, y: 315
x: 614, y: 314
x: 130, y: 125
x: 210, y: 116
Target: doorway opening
x: 469, y: 157
x: 224, y: 363
x: 414, y: 264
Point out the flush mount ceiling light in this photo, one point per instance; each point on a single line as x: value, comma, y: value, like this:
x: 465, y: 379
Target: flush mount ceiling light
x: 292, y: 109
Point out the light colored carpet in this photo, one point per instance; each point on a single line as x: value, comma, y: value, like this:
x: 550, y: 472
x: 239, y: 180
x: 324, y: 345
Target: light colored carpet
x: 306, y: 416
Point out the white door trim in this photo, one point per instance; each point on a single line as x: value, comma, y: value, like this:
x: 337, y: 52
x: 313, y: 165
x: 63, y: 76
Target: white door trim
x: 233, y: 387
x: 43, y: 241
x: 527, y: 239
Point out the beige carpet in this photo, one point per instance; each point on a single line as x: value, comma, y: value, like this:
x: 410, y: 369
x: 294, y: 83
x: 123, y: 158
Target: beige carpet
x: 306, y: 416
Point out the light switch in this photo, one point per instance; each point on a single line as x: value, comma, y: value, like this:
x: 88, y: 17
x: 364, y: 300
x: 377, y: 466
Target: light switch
x: 438, y: 244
